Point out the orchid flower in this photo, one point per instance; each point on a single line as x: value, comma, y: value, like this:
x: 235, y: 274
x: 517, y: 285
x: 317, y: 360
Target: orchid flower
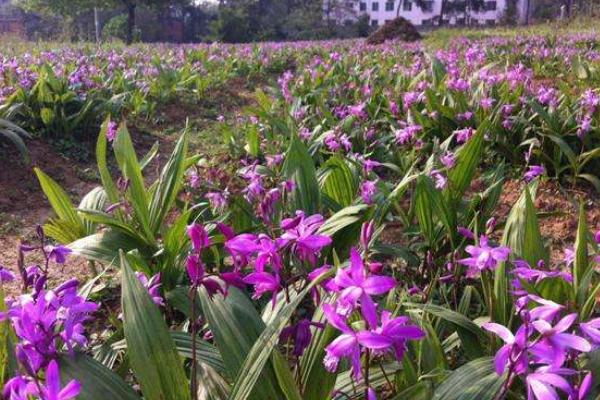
x: 483, y: 257
x: 355, y: 286
x: 348, y: 344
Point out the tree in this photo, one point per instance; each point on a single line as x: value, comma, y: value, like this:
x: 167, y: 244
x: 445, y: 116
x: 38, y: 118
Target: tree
x: 132, y: 5
x: 67, y: 10
x: 70, y: 9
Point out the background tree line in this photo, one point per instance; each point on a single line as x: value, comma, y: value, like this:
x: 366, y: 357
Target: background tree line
x: 237, y: 20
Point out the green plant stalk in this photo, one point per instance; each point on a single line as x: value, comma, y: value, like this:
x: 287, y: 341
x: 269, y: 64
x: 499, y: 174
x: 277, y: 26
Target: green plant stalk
x: 193, y: 378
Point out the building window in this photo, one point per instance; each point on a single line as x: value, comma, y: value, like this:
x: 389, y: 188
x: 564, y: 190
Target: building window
x: 407, y: 6
x: 460, y: 21
x: 389, y: 6
x: 363, y: 6
x: 427, y: 6
x: 374, y: 22
x: 490, y: 22
x: 426, y: 22
x: 490, y: 6
x: 375, y: 6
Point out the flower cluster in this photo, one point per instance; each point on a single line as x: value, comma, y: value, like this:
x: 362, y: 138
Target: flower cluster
x: 544, y: 350
x: 44, y: 321
x: 375, y: 333
x: 299, y: 239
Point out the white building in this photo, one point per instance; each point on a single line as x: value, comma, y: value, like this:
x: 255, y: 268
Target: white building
x: 427, y: 12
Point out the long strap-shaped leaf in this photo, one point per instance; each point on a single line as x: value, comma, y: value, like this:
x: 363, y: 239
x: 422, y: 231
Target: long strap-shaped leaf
x: 475, y: 380
x: 262, y: 349
x: 97, y: 381
x: 152, y: 352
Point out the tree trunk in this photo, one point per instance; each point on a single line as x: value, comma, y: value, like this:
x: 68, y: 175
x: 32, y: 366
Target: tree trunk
x: 400, y: 5
x: 569, y: 8
x: 527, y: 12
x: 97, y: 25
x: 130, y: 22
x: 442, y: 12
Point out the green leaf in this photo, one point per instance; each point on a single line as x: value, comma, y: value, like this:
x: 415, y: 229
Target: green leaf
x: 151, y: 349
x: 206, y: 353
x: 317, y: 382
x: 97, y: 381
x: 104, y: 246
x: 420, y: 391
x: 451, y: 316
x: 284, y: 377
x: 522, y: 235
x: 342, y: 219
x: 253, y: 141
x: 169, y: 184
x: 96, y: 200
x: 338, y: 181
x: 130, y: 167
x: 263, y: 347
x: 475, y: 380
x: 61, y: 204
x: 107, y: 182
x: 8, y: 361
x: 299, y: 167
x: 424, y: 211
x: 236, y: 326
x: 581, y: 278
x: 467, y: 160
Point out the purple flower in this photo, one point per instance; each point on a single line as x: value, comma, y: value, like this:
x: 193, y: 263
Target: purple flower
x: 487, y: 103
x: 368, y: 190
x: 448, y: 160
x: 366, y: 234
x: 371, y: 395
x: 592, y: 330
x: 52, y: 389
x: 584, y: 388
x: 241, y: 247
x: 348, y: 344
x: 264, y: 282
x: 218, y: 200
x: 542, y: 384
x: 267, y: 253
x: 111, y: 131
x: 405, y: 135
x: 301, y: 334
x: 552, y: 348
x: 522, y: 270
x: 483, y: 257
x: 370, y: 165
x: 196, y: 272
x: 465, y: 232
x: 439, y: 178
x: 58, y: 254
x: 397, y: 330
x: 355, y: 286
x: 463, y: 135
x: 19, y: 388
x: 6, y: 275
x: 533, y: 172
x: 301, y: 232
x: 198, y: 236
x: 153, y: 286
x: 514, y: 349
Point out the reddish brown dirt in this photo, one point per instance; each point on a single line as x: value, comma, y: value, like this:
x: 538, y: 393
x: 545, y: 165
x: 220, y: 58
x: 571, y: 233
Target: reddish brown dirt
x: 559, y: 215
x: 23, y: 205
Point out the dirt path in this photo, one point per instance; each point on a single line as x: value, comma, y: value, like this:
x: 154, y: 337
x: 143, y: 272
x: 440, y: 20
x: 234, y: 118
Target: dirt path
x: 23, y: 205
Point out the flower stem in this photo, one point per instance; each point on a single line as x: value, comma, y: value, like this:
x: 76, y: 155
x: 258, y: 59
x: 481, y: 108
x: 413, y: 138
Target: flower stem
x: 193, y: 378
